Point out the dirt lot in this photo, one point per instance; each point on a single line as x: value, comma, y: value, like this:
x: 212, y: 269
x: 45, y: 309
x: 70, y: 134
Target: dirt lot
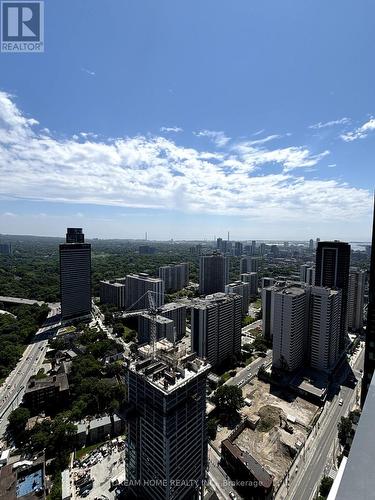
x: 271, y: 444
x: 259, y: 394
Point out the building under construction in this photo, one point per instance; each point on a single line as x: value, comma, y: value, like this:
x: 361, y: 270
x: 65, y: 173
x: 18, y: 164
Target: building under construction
x: 166, y: 436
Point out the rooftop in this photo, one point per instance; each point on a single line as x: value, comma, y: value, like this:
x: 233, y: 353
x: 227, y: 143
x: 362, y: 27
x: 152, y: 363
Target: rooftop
x: 60, y: 380
x: 171, y: 368
x: 213, y: 299
x: 254, y: 467
x: 144, y: 276
x: 158, y: 318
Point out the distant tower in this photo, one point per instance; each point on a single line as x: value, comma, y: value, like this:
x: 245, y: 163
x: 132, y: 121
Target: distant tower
x: 75, y: 276
x: 146, y: 235
x: 332, y: 271
x: 356, y: 299
x: 213, y: 273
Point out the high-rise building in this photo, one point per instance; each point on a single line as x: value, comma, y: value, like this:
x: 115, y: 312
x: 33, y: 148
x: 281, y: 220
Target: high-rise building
x: 164, y: 328
x: 288, y: 324
x: 356, y: 299
x: 196, y: 250
x: 175, y: 277
x: 112, y: 292
x: 253, y: 247
x: 74, y: 235
x: 307, y: 274
x: 332, y: 271
x: 310, y: 275
x: 311, y: 245
x: 369, y: 364
x: 5, y: 249
x: 166, y: 438
x: 267, y: 282
x: 146, y: 250
x: 303, y: 270
x: 213, y: 273
x: 324, y: 327
x: 249, y: 265
x: 177, y: 313
x: 252, y: 279
x: 216, y: 327
x: 219, y: 244
x: 136, y: 288
x: 244, y: 290
x: 267, y: 312
x: 238, y: 248
x: 75, y: 276
x: 263, y: 248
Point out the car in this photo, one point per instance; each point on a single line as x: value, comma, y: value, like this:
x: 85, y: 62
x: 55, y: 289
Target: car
x: 232, y: 495
x: 341, y: 402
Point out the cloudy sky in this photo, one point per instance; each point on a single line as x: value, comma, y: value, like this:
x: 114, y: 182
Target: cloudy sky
x: 188, y: 119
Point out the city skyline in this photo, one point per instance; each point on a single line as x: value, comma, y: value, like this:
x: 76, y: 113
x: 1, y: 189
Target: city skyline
x: 159, y: 129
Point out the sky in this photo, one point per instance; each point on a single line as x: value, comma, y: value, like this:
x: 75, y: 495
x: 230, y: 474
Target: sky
x: 191, y: 118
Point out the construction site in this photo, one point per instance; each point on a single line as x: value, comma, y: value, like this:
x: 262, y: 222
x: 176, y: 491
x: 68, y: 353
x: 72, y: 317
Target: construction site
x: 273, y: 426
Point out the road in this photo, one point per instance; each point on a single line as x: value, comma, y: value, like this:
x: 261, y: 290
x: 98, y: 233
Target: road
x: 20, y: 300
x: 251, y: 370
x: 308, y: 469
x: 13, y: 388
x: 98, y: 316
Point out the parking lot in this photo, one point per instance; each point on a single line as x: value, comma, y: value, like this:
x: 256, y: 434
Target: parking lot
x: 99, y: 474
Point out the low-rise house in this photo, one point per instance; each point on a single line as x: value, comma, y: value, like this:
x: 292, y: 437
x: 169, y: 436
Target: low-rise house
x: 47, y: 394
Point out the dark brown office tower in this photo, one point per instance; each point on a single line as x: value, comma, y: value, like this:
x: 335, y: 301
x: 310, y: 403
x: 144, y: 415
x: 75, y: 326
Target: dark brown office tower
x: 369, y: 366
x: 75, y: 276
x: 332, y: 271
x: 75, y: 235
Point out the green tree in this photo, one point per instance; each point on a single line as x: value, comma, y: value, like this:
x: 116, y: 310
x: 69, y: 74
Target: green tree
x: 325, y: 486
x: 259, y: 345
x: 344, y: 429
x: 17, y: 422
x: 212, y: 428
x: 228, y: 398
x: 118, y: 328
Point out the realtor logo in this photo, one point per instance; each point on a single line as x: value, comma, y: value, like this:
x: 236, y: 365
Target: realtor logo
x: 22, y: 26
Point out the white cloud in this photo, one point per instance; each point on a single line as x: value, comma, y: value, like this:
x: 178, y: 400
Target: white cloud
x: 360, y: 132
x: 264, y: 140
x: 171, y: 129
x: 341, y: 121
x: 88, y: 71
x: 219, y: 138
x: 155, y: 172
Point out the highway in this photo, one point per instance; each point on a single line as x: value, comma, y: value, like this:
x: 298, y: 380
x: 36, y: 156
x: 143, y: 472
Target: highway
x: 307, y: 471
x: 20, y: 300
x: 13, y: 388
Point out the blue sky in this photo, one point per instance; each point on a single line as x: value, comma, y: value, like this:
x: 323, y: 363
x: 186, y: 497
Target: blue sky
x: 190, y: 118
